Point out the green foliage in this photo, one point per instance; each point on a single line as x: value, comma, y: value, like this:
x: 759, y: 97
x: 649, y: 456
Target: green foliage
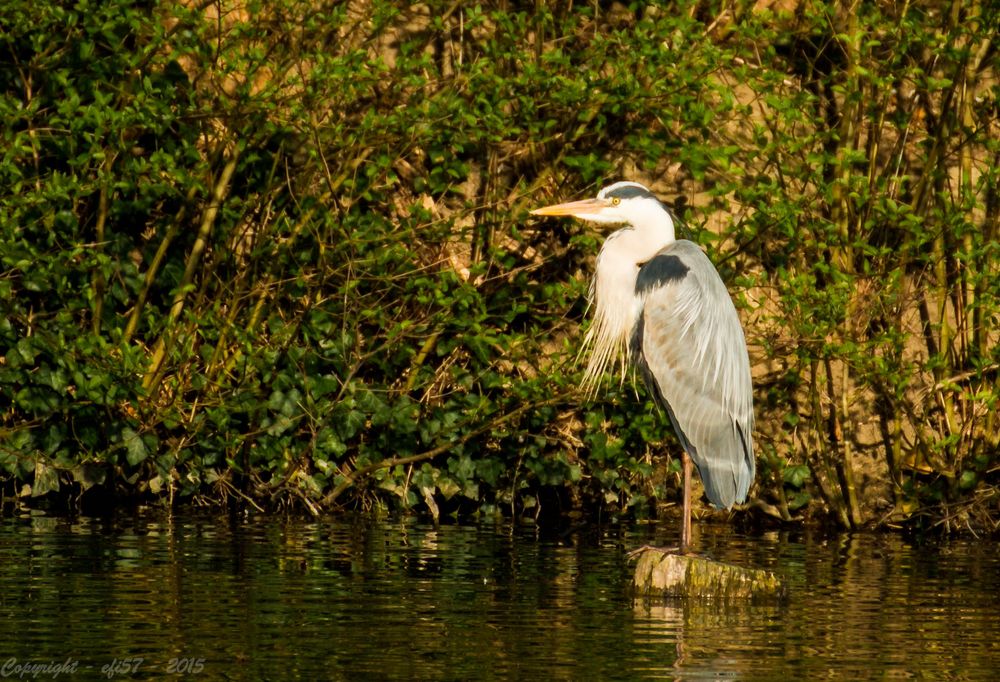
x: 283, y: 255
x: 870, y: 218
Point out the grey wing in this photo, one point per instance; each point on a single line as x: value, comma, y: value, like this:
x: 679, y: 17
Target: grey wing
x: 690, y: 348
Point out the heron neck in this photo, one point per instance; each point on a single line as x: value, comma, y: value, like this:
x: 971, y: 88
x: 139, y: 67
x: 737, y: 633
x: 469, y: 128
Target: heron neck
x: 613, y: 298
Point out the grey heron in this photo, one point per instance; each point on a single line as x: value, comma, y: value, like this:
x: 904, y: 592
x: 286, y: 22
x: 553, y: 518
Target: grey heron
x: 659, y: 304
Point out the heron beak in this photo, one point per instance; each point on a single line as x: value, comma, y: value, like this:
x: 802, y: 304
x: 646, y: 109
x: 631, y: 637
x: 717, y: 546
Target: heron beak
x: 574, y: 208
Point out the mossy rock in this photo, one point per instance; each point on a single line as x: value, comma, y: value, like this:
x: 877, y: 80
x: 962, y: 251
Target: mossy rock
x: 664, y: 574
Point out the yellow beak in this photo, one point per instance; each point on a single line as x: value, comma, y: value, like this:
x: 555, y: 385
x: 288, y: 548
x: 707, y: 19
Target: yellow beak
x: 584, y: 206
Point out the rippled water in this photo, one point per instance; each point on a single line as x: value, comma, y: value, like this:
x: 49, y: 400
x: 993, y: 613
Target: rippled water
x: 209, y: 597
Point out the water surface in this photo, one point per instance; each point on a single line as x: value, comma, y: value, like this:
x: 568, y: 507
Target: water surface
x: 207, y: 596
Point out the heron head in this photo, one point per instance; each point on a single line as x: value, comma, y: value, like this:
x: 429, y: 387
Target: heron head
x: 623, y: 203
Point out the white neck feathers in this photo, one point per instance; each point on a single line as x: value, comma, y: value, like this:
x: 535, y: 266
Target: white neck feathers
x: 612, y: 293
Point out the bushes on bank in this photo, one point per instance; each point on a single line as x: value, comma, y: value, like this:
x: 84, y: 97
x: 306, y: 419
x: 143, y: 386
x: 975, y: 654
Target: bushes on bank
x: 281, y: 255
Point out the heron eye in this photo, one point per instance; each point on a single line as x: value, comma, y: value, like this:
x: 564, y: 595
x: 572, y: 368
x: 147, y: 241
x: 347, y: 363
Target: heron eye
x: 615, y: 201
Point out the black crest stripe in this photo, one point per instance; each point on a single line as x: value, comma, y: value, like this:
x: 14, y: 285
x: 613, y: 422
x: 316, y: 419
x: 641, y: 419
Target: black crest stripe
x: 630, y: 192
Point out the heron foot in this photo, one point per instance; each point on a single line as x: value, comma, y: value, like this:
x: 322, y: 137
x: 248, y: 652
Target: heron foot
x: 664, y: 550
x: 652, y: 548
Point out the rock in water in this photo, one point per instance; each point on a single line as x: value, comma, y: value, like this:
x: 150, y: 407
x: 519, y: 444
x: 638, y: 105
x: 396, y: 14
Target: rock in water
x: 661, y: 574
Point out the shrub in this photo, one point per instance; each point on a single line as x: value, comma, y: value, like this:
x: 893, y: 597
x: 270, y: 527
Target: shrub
x: 282, y: 255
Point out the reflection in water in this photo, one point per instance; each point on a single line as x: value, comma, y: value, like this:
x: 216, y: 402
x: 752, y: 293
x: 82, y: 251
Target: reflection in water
x: 279, y: 598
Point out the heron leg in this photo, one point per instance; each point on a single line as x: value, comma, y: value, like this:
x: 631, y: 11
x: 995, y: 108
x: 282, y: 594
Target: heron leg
x: 686, y: 465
